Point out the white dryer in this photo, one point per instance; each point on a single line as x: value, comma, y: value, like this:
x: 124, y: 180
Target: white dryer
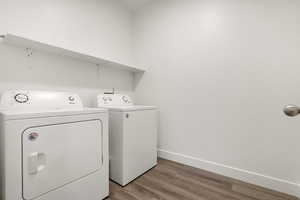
x: 52, y: 148
x: 132, y: 137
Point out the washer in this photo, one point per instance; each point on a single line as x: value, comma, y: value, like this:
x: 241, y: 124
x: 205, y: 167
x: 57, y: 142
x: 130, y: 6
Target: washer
x: 132, y: 137
x: 52, y: 148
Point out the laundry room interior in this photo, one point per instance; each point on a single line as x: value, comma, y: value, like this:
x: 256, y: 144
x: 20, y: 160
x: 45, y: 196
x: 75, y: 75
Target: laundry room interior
x: 149, y: 100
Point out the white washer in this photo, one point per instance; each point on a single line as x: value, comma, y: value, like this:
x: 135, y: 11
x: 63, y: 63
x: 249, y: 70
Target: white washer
x: 52, y: 148
x: 132, y: 137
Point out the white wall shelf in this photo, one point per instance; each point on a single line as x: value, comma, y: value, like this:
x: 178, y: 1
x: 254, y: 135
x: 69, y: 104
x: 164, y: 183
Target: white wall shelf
x: 39, y: 46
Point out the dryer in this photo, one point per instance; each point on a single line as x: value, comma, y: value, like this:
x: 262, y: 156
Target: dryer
x: 132, y: 137
x: 52, y: 148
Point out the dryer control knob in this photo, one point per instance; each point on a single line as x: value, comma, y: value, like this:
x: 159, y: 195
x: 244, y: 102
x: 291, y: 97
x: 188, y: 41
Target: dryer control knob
x: 21, y: 98
x: 71, y: 98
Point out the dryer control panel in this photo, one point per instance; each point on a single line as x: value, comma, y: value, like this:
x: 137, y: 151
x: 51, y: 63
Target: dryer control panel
x: 114, y: 100
x: 31, y: 99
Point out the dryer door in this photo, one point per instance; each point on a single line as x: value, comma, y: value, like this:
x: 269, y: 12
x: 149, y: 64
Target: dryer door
x: 56, y: 155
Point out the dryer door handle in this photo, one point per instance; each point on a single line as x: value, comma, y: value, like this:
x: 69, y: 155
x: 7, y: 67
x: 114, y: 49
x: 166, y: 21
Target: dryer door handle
x: 36, y: 163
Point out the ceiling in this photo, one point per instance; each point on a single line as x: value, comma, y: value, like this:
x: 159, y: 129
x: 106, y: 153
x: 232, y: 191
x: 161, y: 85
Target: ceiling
x: 135, y: 4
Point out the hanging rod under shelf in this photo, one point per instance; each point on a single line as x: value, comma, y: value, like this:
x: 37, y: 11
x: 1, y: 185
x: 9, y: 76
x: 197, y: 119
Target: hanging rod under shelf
x: 2, y: 36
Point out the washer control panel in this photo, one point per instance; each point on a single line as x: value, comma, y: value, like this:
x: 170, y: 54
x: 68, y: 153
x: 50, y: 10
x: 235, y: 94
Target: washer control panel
x: 107, y: 99
x: 114, y: 100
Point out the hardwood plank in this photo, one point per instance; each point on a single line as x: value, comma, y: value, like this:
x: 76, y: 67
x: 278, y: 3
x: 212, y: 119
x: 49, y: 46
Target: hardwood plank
x: 175, y: 181
x: 143, y: 193
x: 188, y: 186
x: 197, y: 182
x: 221, y: 179
x: 255, y: 193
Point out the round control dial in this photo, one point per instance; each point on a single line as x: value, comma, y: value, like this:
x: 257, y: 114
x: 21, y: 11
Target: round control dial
x: 71, y: 98
x: 107, y: 99
x: 21, y: 98
x: 125, y: 99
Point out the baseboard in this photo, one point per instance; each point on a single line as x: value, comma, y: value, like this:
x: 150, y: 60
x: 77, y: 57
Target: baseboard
x: 240, y: 174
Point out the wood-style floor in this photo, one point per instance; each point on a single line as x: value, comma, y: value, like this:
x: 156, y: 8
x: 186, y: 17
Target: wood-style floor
x: 174, y: 181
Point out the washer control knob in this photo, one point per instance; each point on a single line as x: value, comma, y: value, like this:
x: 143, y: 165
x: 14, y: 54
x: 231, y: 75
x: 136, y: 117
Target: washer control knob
x: 125, y: 99
x: 21, y: 98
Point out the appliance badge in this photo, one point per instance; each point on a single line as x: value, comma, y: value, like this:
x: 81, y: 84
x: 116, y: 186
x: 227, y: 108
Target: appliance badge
x: 21, y: 98
x: 33, y: 136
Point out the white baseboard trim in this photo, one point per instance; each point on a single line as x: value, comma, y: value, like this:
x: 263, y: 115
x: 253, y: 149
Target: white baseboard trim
x: 240, y: 174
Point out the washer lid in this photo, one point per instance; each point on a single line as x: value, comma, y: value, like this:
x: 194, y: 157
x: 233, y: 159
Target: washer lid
x: 129, y: 108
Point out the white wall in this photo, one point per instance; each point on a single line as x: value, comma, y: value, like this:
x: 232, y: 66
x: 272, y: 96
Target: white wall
x: 95, y: 27
x: 221, y: 72
x: 43, y: 71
